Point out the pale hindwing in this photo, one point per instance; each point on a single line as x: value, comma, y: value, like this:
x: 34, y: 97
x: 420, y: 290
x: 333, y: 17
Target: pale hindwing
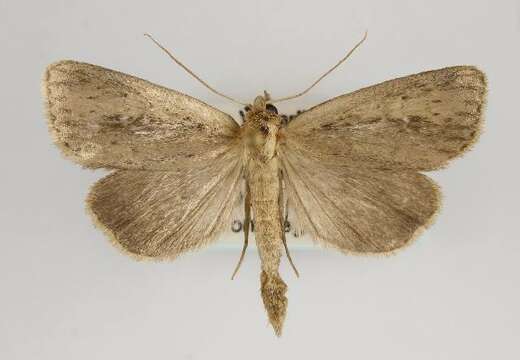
x: 418, y: 122
x: 358, y: 210
x: 104, y: 118
x: 161, y: 214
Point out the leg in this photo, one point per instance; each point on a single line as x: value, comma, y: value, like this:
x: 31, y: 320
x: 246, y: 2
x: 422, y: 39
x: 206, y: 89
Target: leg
x: 247, y: 220
x: 284, y: 213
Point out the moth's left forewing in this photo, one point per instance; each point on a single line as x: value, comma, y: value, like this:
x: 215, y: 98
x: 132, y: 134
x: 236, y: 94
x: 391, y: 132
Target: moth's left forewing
x: 104, y: 118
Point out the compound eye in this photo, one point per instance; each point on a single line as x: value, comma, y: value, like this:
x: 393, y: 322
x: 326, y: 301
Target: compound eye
x: 271, y: 108
x: 264, y: 129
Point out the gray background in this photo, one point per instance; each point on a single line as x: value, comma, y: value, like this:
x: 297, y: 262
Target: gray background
x: 65, y: 293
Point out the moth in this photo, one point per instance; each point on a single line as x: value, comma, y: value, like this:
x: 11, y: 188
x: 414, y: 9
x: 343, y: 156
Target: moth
x: 347, y: 172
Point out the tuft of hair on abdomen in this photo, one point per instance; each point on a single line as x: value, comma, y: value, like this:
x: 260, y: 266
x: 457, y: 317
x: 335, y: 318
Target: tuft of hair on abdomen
x: 273, y: 291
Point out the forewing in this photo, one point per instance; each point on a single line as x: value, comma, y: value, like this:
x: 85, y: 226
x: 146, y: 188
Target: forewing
x: 418, y: 122
x: 358, y: 210
x: 161, y: 214
x: 104, y: 118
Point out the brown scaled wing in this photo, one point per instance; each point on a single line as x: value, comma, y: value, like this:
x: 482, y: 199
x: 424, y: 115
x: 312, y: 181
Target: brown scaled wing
x: 177, y: 161
x: 351, y: 165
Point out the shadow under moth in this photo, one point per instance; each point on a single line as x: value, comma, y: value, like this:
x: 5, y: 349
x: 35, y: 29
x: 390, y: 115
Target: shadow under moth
x: 347, y: 172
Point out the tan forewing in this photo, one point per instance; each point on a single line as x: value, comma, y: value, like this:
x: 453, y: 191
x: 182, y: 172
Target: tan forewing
x: 418, y: 122
x: 161, y: 214
x: 104, y: 118
x: 355, y: 209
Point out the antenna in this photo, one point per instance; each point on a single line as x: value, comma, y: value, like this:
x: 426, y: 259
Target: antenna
x: 325, y: 74
x: 210, y: 88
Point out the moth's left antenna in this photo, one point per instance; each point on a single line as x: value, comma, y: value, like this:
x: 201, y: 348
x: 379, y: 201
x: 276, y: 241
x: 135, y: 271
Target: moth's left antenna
x: 191, y: 72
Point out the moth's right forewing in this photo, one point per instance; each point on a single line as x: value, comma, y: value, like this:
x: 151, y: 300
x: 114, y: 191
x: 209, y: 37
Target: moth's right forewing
x: 103, y: 118
x: 417, y: 122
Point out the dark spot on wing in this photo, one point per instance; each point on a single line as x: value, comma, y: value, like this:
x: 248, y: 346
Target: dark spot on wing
x: 372, y: 120
x: 463, y: 113
x: 415, y: 118
x: 463, y: 147
x: 327, y: 126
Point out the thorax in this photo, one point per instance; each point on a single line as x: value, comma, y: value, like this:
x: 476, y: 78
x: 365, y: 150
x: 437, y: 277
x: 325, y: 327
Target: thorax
x: 260, y: 133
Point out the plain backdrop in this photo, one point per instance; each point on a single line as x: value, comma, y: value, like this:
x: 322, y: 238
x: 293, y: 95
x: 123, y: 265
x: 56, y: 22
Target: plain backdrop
x: 66, y: 293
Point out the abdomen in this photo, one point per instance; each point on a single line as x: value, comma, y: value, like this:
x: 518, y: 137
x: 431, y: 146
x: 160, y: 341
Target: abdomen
x: 264, y: 185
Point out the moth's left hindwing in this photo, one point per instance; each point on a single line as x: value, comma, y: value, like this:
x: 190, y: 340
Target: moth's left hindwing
x: 161, y: 214
x: 178, y: 161
x: 351, y: 164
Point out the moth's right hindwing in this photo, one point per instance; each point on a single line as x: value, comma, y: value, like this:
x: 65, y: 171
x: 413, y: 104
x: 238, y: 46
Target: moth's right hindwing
x: 358, y: 210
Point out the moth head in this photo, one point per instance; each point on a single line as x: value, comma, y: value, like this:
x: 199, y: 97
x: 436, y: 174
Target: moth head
x: 263, y: 116
x: 262, y: 103
x: 261, y: 125
x: 259, y: 104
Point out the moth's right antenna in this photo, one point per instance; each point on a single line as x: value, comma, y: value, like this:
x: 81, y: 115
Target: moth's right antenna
x: 327, y: 73
x: 191, y: 72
